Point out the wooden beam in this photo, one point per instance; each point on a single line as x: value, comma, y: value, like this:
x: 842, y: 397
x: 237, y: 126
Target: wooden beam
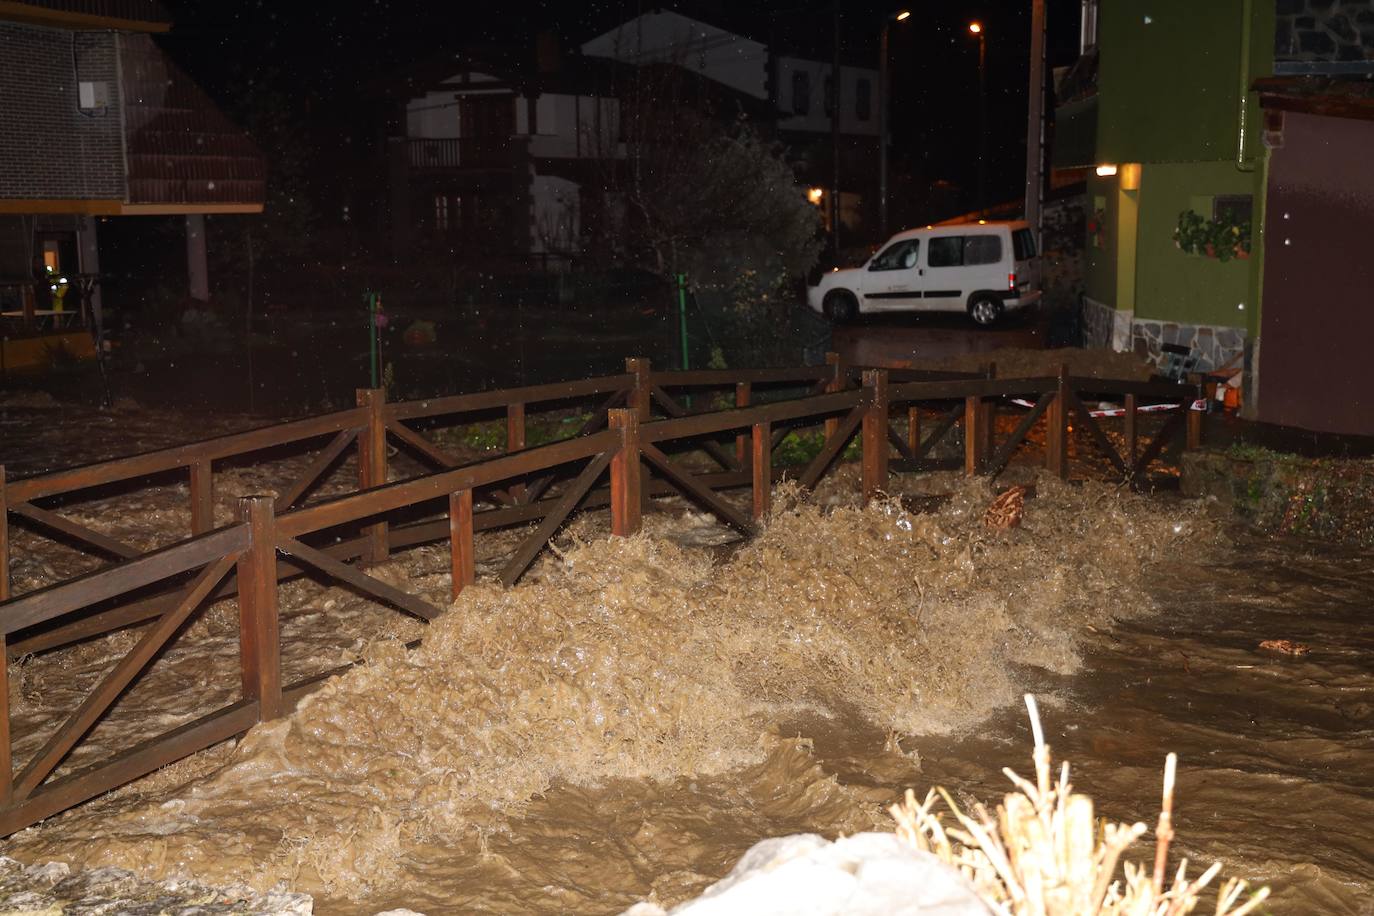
x: 368, y: 585
x: 744, y: 392
x: 292, y: 494
x: 56, y: 748
x: 761, y: 464
x: 259, y: 635
x: 973, y: 435
x: 1158, y: 443
x: 876, y: 434
x: 4, y: 539
x: 1130, y: 429
x: 515, y: 442
x: 372, y: 465
x: 75, y: 531
x: 834, y: 444
x: 641, y: 395
x: 626, y: 483
x: 462, y: 557
x: 1057, y: 428
x: 941, y: 429
x: 674, y: 409
x: 698, y: 491
x: 202, y: 496
x: 569, y: 500
x: 1099, y: 437
x: 1003, y: 455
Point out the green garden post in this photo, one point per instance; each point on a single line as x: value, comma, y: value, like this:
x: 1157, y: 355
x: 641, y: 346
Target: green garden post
x: 682, y: 317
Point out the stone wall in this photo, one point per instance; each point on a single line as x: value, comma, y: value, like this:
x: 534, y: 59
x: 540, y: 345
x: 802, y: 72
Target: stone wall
x: 1108, y: 328
x: 1313, y: 32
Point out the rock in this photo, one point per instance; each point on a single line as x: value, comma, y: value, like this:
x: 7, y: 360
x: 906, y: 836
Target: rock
x: 864, y: 875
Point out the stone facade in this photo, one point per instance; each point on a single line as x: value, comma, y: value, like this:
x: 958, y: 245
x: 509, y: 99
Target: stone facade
x: 51, y: 148
x: 1309, y: 33
x: 1108, y: 328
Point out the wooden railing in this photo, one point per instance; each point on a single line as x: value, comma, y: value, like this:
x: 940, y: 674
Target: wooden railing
x: 622, y: 440
x: 464, y: 152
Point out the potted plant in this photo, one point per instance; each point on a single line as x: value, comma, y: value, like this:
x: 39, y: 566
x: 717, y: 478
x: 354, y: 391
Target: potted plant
x: 1222, y: 238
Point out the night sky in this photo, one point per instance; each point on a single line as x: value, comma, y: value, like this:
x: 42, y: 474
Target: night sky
x: 334, y: 62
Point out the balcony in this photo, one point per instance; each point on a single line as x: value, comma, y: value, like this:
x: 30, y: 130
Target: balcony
x: 460, y: 153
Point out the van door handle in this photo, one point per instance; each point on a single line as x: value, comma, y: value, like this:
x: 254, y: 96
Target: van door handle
x: 921, y: 271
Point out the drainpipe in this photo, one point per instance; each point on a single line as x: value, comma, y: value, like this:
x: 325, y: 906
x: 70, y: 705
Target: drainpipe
x: 1247, y: 12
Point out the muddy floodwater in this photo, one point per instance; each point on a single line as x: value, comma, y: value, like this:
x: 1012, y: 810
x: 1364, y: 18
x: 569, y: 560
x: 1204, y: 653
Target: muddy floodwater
x: 629, y: 720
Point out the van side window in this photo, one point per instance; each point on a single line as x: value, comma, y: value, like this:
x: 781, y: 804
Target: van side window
x: 982, y: 249
x: 946, y: 251
x: 897, y: 256
x: 1023, y: 243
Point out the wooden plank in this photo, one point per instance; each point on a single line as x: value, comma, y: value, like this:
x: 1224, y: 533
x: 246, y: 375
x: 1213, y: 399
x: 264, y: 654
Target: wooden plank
x: 515, y: 442
x: 896, y: 440
x: 1130, y: 429
x: 491, y: 400
x: 354, y: 506
x: 942, y: 428
x: 761, y: 468
x: 913, y: 433
x: 101, y: 585
x: 595, y: 422
x: 376, y: 588
x: 6, y: 748
x: 4, y: 538
x: 202, y: 496
x: 259, y: 628
x: 1057, y: 428
x: 372, y: 466
x: 1194, y: 437
x: 744, y: 392
x: 1003, y: 455
x: 75, y: 530
x: 1159, y: 391
x: 1158, y: 443
x: 118, y: 469
x: 641, y: 393
x: 973, y: 435
x: 833, y: 446
x: 838, y: 382
x: 876, y: 433
x: 690, y: 486
x: 130, y: 764
x: 703, y: 424
x: 675, y: 409
x: 965, y: 388
x: 724, y: 378
x: 533, y: 544
x: 420, y: 445
x: 1104, y: 445
x: 462, y: 557
x: 60, y: 744
x: 626, y: 474
x: 292, y: 494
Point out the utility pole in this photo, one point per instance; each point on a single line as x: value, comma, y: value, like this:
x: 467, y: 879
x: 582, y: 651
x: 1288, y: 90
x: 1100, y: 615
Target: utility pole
x: 835, y: 140
x: 1035, y: 122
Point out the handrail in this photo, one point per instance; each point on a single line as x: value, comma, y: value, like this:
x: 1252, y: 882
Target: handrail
x: 354, y: 506
x: 706, y: 378
x: 64, y: 597
x: 739, y: 417
x: 115, y: 470
x: 487, y: 400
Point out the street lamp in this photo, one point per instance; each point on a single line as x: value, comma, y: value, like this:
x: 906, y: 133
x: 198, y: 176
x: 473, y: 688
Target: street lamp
x: 899, y: 16
x: 976, y: 29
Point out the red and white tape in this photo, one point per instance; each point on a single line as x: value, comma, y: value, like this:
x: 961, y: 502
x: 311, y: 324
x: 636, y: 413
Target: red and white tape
x: 1199, y: 404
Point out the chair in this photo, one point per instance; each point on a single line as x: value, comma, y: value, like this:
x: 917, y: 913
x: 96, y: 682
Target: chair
x: 1179, y: 361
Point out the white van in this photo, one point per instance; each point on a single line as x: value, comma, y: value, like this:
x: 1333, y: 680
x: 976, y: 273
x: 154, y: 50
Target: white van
x: 982, y: 268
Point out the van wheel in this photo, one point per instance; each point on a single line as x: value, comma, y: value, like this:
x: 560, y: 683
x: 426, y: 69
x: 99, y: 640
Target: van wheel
x: 840, y: 306
x: 984, y: 309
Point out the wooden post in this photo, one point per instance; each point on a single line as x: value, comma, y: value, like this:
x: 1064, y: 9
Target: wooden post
x: 875, y: 447
x: 641, y: 399
x: 515, y: 442
x: 1195, y: 420
x: 913, y: 430
x: 4, y: 540
x: 626, y: 491
x: 973, y: 434
x: 989, y: 417
x: 259, y: 639
x: 1057, y: 428
x: 837, y: 383
x: 202, y: 496
x: 1130, y: 431
x: 743, y: 394
x: 372, y: 467
x: 463, y: 561
x: 762, y: 465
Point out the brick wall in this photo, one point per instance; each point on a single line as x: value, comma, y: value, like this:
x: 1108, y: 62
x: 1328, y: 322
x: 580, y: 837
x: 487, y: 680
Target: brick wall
x: 49, y: 148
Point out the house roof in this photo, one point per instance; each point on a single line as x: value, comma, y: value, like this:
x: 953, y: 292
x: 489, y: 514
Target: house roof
x: 123, y: 15
x: 1320, y: 95
x: 183, y: 152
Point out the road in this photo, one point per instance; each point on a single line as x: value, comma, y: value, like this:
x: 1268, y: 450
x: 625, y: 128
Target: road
x: 894, y: 339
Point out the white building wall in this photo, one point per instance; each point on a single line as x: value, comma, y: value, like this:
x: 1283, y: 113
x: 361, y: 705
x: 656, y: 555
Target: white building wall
x: 557, y: 216
x: 815, y: 118
x: 725, y: 57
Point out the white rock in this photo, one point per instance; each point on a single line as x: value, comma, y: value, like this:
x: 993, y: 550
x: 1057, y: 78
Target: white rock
x: 870, y: 874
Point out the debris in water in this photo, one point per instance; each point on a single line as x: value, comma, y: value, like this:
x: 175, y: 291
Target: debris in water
x: 1006, y: 510
x: 1286, y: 646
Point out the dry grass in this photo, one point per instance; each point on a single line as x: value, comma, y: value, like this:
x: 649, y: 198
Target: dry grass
x: 1042, y: 854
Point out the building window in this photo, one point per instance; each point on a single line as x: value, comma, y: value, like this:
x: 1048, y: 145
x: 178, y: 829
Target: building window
x: 1087, y: 39
x: 441, y: 212
x: 829, y: 97
x: 1233, y: 208
x: 863, y: 100
x: 801, y: 92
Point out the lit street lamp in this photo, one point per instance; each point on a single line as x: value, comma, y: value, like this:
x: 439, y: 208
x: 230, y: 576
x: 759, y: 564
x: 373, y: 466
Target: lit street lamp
x: 976, y: 29
x: 899, y: 16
